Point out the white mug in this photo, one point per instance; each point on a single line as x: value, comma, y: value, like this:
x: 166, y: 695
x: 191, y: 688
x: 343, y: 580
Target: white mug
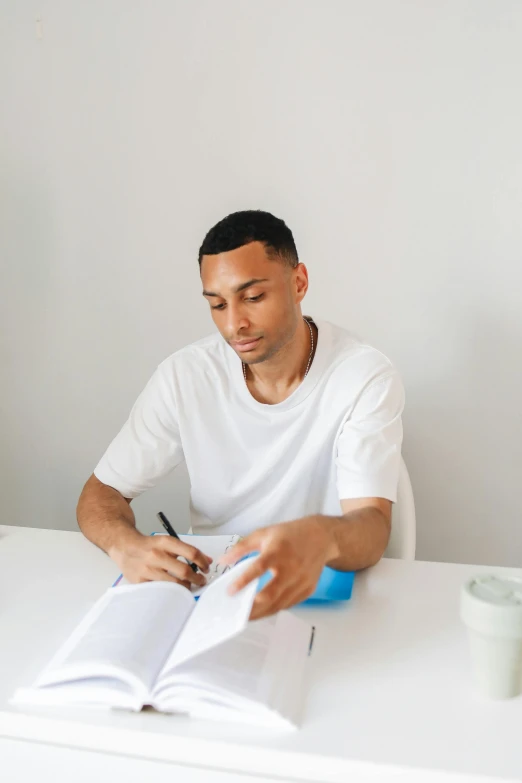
x: 491, y: 608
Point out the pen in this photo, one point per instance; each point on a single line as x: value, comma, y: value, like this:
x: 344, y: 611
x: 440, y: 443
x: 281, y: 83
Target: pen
x: 170, y: 530
x: 311, y: 640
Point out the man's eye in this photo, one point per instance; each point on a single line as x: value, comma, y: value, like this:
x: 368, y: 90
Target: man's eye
x: 217, y: 307
x: 255, y: 298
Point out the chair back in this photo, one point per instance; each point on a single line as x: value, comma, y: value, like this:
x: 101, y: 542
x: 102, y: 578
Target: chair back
x: 404, y: 527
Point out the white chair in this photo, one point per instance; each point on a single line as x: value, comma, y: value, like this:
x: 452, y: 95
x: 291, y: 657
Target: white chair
x: 404, y: 527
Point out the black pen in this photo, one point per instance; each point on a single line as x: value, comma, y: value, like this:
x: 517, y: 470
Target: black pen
x: 312, y: 635
x: 170, y: 530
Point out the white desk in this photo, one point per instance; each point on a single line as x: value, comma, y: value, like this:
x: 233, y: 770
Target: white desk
x: 388, y: 686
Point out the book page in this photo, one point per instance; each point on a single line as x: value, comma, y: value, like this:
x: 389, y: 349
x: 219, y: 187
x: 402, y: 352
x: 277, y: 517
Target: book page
x: 215, y: 547
x: 236, y: 666
x: 258, y: 673
x: 130, y: 630
x: 217, y: 617
x: 92, y: 692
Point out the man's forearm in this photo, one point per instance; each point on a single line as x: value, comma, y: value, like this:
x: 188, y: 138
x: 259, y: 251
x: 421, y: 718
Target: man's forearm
x: 360, y: 538
x: 104, y: 516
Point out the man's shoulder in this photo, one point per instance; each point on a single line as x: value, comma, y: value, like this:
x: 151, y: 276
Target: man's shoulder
x: 208, y: 353
x: 351, y: 355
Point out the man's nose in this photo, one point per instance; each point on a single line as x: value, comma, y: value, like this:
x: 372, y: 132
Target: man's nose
x: 237, y: 321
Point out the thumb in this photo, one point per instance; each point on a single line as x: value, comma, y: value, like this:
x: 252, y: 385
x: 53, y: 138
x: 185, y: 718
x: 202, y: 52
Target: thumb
x: 242, y: 548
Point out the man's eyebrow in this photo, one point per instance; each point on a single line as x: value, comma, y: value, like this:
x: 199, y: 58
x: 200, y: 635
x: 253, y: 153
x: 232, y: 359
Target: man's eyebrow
x: 254, y: 281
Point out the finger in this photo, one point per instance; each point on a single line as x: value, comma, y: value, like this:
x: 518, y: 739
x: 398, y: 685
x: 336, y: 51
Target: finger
x: 179, y: 549
x: 259, y: 611
x: 261, y: 608
x: 178, y: 569
x: 159, y: 575
x: 299, y: 591
x: 269, y: 600
x: 257, y: 569
x: 294, y: 596
x: 242, y: 548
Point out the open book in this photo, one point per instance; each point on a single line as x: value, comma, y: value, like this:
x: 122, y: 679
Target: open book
x: 213, y: 546
x: 154, y: 644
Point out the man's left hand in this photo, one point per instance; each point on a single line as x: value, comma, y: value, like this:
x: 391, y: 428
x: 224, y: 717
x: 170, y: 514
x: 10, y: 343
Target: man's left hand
x: 295, y: 554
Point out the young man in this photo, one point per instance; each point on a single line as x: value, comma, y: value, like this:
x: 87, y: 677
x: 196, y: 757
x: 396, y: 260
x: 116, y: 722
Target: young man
x: 290, y: 429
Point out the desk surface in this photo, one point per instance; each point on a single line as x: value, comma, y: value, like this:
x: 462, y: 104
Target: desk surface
x: 388, y: 685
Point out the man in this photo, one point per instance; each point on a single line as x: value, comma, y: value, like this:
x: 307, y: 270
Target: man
x: 290, y: 429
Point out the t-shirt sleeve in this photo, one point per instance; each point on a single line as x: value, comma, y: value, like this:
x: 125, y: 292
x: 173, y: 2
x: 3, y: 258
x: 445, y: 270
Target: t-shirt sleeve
x: 148, y: 445
x: 369, y: 445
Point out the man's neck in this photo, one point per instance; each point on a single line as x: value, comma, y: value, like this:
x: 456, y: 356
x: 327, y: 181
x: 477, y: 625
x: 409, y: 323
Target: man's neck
x: 277, y: 378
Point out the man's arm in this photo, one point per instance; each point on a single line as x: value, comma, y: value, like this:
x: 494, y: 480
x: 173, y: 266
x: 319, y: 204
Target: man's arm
x: 361, y: 534
x: 296, y: 552
x: 106, y: 518
x: 147, y: 448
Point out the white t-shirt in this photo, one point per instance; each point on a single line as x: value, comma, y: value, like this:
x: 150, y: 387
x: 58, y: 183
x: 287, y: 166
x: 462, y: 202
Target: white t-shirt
x: 250, y: 464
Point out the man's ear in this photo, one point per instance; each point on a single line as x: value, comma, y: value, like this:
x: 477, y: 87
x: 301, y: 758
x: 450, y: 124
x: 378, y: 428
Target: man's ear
x: 300, y: 274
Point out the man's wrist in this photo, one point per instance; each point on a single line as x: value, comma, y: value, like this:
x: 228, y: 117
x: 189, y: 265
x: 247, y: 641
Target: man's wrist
x: 125, y: 540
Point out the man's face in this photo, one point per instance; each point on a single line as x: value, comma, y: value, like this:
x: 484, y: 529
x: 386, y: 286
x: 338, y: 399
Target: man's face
x: 254, y: 300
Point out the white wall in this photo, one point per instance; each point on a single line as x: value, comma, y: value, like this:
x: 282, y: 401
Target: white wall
x: 388, y: 136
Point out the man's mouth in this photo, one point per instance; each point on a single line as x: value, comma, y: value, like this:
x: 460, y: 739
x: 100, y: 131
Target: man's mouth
x: 245, y: 345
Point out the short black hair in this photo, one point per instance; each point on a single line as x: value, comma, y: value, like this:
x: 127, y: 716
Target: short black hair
x: 251, y: 225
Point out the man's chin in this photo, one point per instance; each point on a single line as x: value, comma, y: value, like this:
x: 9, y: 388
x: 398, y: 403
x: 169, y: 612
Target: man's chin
x: 251, y: 358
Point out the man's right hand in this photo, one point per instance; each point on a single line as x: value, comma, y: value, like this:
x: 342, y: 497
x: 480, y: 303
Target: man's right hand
x: 156, y: 558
